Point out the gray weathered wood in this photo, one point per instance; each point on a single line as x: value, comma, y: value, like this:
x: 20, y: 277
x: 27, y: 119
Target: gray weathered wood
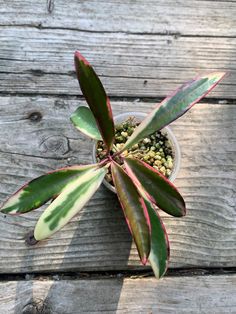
x: 98, y: 238
x: 195, y: 295
x: 202, y: 18
x: 139, y: 49
x: 40, y: 61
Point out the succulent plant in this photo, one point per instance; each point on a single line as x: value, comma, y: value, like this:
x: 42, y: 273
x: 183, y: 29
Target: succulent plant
x: 141, y: 189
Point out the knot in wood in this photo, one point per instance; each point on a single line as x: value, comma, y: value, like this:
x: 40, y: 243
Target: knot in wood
x: 35, y: 116
x: 36, y: 307
x: 55, y: 144
x: 30, y: 309
x: 30, y: 239
x: 61, y: 104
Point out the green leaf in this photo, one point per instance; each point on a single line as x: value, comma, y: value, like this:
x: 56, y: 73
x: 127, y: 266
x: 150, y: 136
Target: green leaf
x: 83, y: 119
x: 174, y: 106
x: 40, y: 190
x: 157, y: 188
x: 135, y: 210
x: 96, y: 98
x: 72, y: 199
x: 159, y: 254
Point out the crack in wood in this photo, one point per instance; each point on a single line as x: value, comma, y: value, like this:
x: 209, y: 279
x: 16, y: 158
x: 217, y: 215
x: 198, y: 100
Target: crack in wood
x: 167, y: 33
x: 50, y: 6
x: 35, y: 156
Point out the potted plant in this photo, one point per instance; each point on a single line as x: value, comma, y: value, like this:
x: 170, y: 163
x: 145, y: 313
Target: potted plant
x: 160, y: 149
x: 140, y: 187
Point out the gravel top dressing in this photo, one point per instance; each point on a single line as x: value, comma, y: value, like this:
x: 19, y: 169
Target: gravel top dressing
x: 156, y: 149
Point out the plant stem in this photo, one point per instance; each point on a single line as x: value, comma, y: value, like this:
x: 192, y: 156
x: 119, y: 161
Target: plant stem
x: 104, y: 162
x: 117, y: 154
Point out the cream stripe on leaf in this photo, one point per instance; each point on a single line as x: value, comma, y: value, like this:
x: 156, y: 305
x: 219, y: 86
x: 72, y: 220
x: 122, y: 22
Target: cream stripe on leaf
x: 159, y: 254
x: 72, y: 199
x: 84, y: 120
x: 40, y: 190
x: 175, y: 106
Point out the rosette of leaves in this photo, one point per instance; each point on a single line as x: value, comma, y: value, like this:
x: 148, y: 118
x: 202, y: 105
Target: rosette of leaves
x: 141, y: 189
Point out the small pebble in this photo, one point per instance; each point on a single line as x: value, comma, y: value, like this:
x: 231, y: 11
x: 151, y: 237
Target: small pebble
x: 124, y: 134
x: 146, y: 141
x: 151, y: 154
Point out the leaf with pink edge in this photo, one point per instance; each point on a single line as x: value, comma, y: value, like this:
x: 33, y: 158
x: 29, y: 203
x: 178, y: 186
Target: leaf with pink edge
x: 157, y: 188
x: 159, y: 254
x: 96, y: 98
x: 40, y: 190
x: 71, y: 200
x: 135, y: 210
x: 175, y: 106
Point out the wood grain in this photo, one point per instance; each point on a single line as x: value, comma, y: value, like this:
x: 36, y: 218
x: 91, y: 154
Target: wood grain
x: 36, y: 137
x: 201, y: 18
x: 194, y: 295
x: 139, y: 50
x: 40, y: 61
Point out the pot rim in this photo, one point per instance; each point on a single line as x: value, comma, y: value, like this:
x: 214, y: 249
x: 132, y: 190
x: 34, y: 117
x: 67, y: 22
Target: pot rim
x: 170, y: 135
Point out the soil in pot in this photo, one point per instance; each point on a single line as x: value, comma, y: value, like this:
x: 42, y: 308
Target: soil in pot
x: 156, y: 149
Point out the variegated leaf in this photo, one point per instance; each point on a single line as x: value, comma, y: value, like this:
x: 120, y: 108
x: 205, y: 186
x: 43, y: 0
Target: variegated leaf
x: 158, y: 189
x: 159, y: 254
x: 71, y: 200
x: 174, y: 106
x: 83, y: 119
x: 135, y: 210
x: 96, y: 98
x: 38, y: 191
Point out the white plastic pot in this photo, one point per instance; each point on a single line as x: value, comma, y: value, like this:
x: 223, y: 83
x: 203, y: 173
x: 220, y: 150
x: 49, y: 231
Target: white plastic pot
x: 139, y: 117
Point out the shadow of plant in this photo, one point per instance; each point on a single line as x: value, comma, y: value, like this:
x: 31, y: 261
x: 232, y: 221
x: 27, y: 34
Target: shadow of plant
x: 96, y: 240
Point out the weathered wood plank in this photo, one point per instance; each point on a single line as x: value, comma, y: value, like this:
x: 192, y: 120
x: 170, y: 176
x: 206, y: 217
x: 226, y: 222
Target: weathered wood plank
x: 196, y: 295
x: 40, y: 61
x: 214, y: 18
x: 98, y: 238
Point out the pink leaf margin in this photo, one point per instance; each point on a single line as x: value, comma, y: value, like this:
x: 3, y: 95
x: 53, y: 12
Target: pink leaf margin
x: 139, y: 185
x: 145, y: 211
x: 75, y: 167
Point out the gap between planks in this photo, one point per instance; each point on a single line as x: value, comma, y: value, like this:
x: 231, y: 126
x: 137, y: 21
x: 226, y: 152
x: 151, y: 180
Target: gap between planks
x: 134, y: 99
x: 132, y: 274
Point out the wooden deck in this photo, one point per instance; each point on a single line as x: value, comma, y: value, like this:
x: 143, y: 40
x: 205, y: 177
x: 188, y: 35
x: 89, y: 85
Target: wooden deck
x: 141, y: 51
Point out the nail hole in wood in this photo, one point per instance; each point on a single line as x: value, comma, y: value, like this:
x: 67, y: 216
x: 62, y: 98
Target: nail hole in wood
x: 30, y: 239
